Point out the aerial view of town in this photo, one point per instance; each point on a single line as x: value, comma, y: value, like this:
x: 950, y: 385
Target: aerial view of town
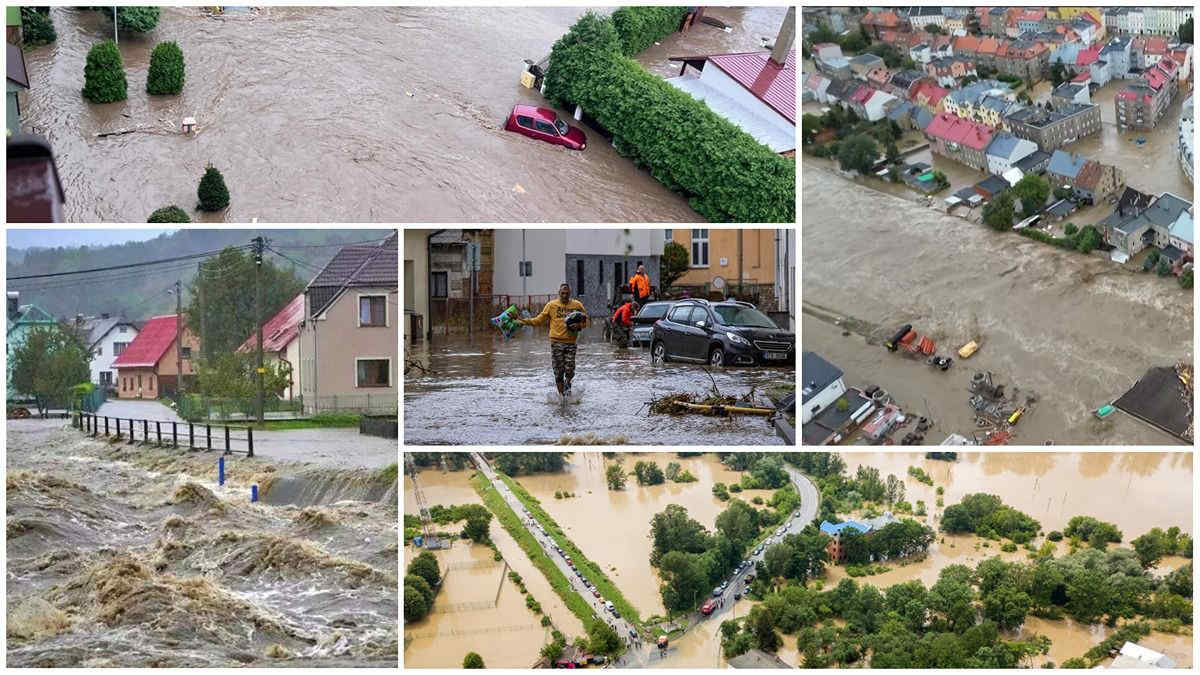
x: 797, y: 559
x: 414, y: 114
x: 201, y: 448
x: 608, y: 336
x: 997, y: 225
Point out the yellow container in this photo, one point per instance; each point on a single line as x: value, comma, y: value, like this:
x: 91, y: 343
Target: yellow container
x: 968, y: 349
x: 1012, y: 419
x: 527, y: 80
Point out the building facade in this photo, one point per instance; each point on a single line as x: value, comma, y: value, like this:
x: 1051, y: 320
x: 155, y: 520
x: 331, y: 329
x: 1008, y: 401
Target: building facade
x: 1051, y: 129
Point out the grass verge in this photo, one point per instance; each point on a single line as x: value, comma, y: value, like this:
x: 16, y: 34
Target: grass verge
x: 591, y: 571
x: 390, y: 472
x: 537, y: 555
x: 322, y: 421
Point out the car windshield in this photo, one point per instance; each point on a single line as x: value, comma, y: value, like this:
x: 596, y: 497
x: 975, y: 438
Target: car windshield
x: 654, y: 311
x: 561, y: 126
x: 736, y: 315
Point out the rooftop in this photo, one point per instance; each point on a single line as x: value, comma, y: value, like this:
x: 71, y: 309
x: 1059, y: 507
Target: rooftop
x: 817, y: 374
x: 1067, y: 164
x: 777, y: 134
x: 770, y: 82
x: 280, y: 329
x: 1040, y: 117
x: 950, y: 127
x: 150, y: 344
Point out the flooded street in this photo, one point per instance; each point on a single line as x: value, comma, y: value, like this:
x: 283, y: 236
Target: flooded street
x: 490, y: 391
x: 1053, y: 323
x: 624, y: 550
x: 341, y: 114
x: 131, y: 556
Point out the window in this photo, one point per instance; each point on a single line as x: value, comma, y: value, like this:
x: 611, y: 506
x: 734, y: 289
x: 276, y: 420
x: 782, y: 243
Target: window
x: 373, y: 372
x: 668, y: 237
x: 100, y: 351
x: 546, y: 128
x: 600, y: 266
x: 680, y: 314
x: 578, y: 277
x: 151, y: 378
x: 699, y: 247
x: 372, y: 310
x: 439, y: 284
x: 122, y: 329
x: 139, y: 381
x: 186, y: 352
x: 119, y: 348
x: 525, y: 121
x: 106, y: 378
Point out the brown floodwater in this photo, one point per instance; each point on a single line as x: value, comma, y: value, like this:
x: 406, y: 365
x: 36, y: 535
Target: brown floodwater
x: 319, y: 114
x: 437, y: 642
x: 624, y: 549
x: 1052, y: 322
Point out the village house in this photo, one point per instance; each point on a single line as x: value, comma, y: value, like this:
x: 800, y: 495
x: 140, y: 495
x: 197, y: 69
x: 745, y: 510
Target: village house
x: 949, y: 70
x: 823, y: 385
x: 1006, y: 150
x: 713, y: 253
x: 828, y: 59
x: 756, y: 91
x: 1035, y: 163
x: 877, y: 105
x: 1023, y: 58
x: 1116, y: 54
x: 1070, y: 93
x: 997, y: 19
x: 818, y: 86
x: 348, y: 356
x: 877, y: 22
x: 991, y: 187
x: 858, y: 100
x: 1031, y: 19
x: 107, y: 337
x: 18, y: 80
x: 416, y: 286
x: 22, y: 320
x: 920, y: 53
x: 864, y: 527
x: 149, y: 367
x: 904, y: 83
x: 281, y: 343
x: 930, y: 96
x: 964, y: 102
x: 879, y: 77
x: 1051, y: 129
x: 961, y: 140
x: 1142, y: 220
x: 864, y: 63
x: 1143, y: 103
x: 1089, y: 180
x: 919, y: 17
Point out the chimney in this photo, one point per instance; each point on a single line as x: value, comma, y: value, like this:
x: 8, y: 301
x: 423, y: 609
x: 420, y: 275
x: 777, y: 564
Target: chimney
x: 785, y: 39
x: 14, y: 298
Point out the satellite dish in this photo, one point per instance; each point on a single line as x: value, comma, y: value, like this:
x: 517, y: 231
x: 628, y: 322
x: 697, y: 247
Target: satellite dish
x: 718, y: 283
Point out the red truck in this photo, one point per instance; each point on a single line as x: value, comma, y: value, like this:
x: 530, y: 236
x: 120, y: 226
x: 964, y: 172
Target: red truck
x: 708, y: 606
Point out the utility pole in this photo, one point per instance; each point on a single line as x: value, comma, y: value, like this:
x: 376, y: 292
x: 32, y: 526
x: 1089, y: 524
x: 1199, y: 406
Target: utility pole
x: 179, y: 339
x: 203, y: 310
x: 115, y: 24
x: 258, y: 319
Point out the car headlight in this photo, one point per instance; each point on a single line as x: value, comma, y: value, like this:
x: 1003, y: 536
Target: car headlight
x: 737, y: 339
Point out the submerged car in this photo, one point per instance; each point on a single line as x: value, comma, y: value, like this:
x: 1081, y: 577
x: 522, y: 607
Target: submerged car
x: 544, y: 125
x: 725, y: 333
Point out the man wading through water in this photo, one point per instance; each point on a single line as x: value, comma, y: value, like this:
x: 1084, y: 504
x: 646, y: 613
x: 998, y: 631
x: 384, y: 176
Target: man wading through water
x: 562, y: 334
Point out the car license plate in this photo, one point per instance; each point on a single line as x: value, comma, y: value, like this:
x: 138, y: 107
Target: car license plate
x: 775, y: 356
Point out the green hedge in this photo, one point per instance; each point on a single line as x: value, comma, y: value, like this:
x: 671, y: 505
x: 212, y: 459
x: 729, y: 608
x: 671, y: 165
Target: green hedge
x: 104, y: 74
x: 166, y: 69
x: 169, y: 214
x: 36, y: 26
x: 725, y: 173
x: 212, y: 192
x: 640, y: 27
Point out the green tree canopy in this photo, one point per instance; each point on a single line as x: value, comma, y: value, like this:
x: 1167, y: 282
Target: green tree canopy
x: 426, y: 565
x: 166, y: 73
x: 473, y: 660
x: 169, y: 214
x: 615, y: 476
x: 858, y: 153
x: 212, y: 192
x: 47, y: 364
x: 1032, y: 190
x: 672, y: 265
x: 104, y: 74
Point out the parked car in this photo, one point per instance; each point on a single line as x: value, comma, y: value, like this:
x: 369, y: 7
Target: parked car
x: 643, y: 323
x: 616, y: 613
x: 759, y: 550
x: 729, y: 332
x: 544, y: 125
x: 595, y: 592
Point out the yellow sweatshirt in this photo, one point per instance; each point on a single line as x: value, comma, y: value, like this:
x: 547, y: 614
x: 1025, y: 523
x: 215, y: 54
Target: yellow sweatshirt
x: 556, y: 312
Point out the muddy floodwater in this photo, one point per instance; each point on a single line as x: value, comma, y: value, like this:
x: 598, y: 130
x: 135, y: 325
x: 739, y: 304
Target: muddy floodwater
x: 318, y: 114
x: 490, y: 391
x: 130, y: 556
x: 1053, y: 323
x: 624, y: 550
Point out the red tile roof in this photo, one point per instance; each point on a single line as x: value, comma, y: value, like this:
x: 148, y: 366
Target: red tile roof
x: 280, y: 330
x: 862, y: 95
x: 966, y: 43
x: 150, y: 344
x: 882, y: 19
x: 989, y: 45
x: 772, y: 84
x: 1155, y: 45
x: 1032, y: 15
x: 931, y: 91
x: 1087, y: 57
x: 951, y: 127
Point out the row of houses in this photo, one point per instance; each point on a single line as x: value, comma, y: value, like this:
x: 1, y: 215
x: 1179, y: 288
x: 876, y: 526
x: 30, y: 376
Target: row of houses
x: 1145, y: 101
x: 337, y: 338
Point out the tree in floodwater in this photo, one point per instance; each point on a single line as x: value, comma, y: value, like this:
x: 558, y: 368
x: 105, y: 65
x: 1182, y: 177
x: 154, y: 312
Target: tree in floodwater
x: 477, y: 527
x: 169, y: 214
x: 615, y: 476
x: 137, y: 19
x: 212, y: 192
x: 473, y: 660
x: 36, y: 27
x: 104, y: 74
x: 416, y: 607
x: 648, y: 473
x: 998, y: 213
x: 684, y: 580
x: 603, y: 639
x: 426, y: 565
x: 165, y: 75
x: 517, y: 463
x: 47, y: 364
x: 857, y: 153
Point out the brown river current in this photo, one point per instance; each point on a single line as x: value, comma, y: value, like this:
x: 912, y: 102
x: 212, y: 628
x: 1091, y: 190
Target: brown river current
x: 129, y: 556
x: 318, y: 114
x: 1135, y: 491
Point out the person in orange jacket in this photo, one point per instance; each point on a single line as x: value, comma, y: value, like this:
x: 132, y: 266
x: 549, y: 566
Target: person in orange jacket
x: 622, y: 322
x: 562, y: 336
x: 639, y: 285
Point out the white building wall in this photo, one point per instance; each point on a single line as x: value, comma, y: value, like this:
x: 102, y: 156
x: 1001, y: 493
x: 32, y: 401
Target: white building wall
x: 544, y: 248
x: 614, y: 241
x: 717, y: 79
x: 822, y: 400
x: 103, y: 361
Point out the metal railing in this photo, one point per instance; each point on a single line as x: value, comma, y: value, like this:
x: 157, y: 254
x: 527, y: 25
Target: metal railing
x: 198, y: 407
x: 367, y: 404
x: 197, y: 436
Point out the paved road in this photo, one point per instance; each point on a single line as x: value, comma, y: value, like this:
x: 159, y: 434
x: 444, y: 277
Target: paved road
x: 634, y: 657
x: 333, y: 447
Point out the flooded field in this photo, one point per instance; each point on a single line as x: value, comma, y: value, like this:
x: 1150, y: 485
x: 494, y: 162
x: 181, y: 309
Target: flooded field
x: 876, y: 262
x: 487, y: 390
x: 128, y: 556
x: 624, y: 550
x: 343, y: 114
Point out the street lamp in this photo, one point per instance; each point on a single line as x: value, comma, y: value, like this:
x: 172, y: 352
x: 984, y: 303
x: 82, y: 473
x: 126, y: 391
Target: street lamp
x: 115, y: 23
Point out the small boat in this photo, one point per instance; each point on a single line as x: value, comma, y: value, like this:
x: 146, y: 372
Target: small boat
x: 1105, y: 411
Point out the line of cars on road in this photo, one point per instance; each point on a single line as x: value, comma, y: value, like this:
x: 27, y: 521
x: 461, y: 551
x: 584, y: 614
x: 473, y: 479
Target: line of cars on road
x: 746, y: 567
x: 720, y: 333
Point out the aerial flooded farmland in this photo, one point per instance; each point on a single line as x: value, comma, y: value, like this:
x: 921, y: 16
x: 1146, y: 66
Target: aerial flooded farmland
x: 803, y: 559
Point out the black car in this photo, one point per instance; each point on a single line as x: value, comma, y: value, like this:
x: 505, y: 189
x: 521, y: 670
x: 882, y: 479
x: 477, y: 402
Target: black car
x: 729, y: 332
x: 643, y: 323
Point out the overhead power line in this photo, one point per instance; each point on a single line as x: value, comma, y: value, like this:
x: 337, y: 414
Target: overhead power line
x: 348, y: 243
x: 111, y: 268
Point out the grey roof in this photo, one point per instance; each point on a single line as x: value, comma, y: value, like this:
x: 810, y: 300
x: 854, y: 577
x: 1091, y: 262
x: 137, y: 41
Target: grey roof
x: 756, y: 658
x: 899, y: 111
x: 817, y: 374
x: 1061, y: 208
x: 1068, y: 90
x: 1040, y: 117
x: 16, y: 66
x: 1117, y: 44
x: 1000, y: 105
x: 1066, y: 163
x: 905, y: 78
x: 1034, y: 159
x: 993, y: 184
x: 841, y: 89
x: 866, y: 60
x: 356, y: 267
x: 98, y: 328
x: 1164, y: 211
x: 966, y: 193
x: 922, y: 117
x: 1003, y: 145
x: 997, y: 11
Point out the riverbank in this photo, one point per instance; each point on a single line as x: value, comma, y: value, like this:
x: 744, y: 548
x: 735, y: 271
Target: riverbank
x: 876, y: 262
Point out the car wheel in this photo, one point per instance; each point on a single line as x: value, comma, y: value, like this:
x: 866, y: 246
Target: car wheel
x: 716, y: 357
x: 660, y: 351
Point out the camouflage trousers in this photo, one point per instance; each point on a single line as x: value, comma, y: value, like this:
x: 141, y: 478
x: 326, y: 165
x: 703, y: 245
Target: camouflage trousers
x: 562, y: 355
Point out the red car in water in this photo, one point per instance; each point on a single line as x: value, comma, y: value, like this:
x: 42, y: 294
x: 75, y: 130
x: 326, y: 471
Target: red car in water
x: 544, y: 125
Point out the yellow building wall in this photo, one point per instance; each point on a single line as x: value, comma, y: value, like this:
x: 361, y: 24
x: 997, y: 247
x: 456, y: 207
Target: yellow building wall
x: 758, y: 256
x: 1068, y: 13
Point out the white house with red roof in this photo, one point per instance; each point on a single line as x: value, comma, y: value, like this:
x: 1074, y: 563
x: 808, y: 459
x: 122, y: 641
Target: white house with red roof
x: 752, y: 90
x: 149, y: 366
x: 281, y: 343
